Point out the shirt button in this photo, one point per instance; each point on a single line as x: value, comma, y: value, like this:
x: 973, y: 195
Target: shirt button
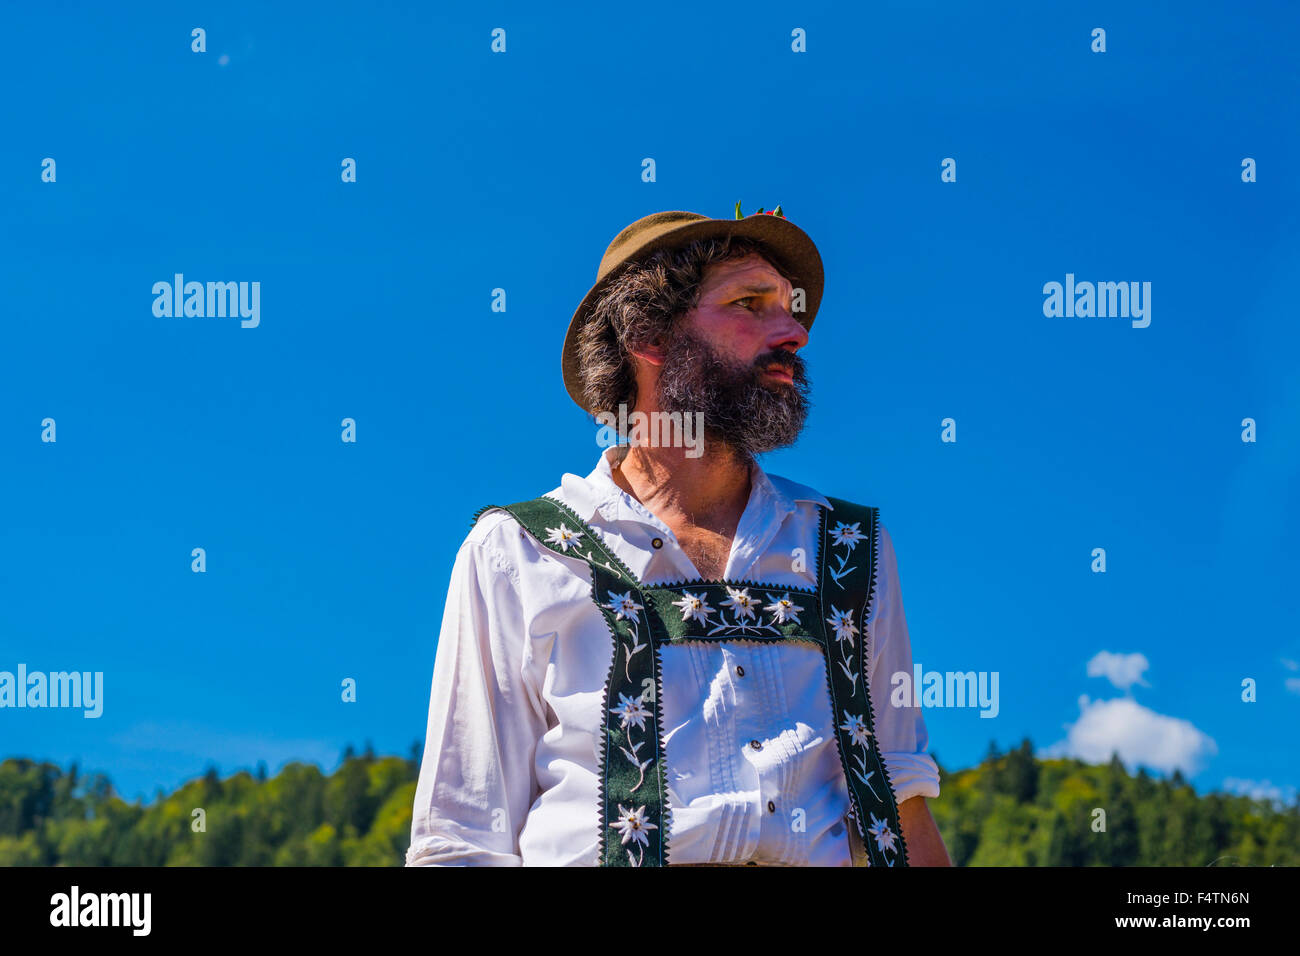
x: 771, y: 806
x: 740, y: 671
x: 756, y: 745
x: 657, y: 542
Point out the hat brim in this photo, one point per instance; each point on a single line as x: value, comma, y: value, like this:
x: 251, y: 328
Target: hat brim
x: 788, y: 246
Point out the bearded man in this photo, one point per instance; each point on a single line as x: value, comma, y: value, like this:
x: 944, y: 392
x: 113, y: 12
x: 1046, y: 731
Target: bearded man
x: 680, y: 653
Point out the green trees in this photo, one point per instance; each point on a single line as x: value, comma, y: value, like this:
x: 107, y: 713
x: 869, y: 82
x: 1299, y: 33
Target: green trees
x: 358, y: 816
x: 1015, y: 810
x: 1011, y: 810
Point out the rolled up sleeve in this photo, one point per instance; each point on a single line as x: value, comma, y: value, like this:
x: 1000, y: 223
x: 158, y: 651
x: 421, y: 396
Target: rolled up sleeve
x: 476, y: 781
x: 900, y: 730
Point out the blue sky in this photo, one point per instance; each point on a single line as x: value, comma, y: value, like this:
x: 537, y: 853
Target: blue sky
x: 477, y: 170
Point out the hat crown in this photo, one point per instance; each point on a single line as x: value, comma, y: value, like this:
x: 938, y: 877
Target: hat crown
x: 644, y: 230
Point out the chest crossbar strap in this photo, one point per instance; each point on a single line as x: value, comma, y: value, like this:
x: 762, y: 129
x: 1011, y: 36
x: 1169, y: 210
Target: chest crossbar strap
x: 633, y: 803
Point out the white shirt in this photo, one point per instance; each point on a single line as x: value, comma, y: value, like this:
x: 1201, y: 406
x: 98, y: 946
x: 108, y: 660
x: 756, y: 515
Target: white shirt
x: 509, y: 775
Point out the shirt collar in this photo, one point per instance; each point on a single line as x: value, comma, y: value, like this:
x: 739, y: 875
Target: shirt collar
x: 598, y: 492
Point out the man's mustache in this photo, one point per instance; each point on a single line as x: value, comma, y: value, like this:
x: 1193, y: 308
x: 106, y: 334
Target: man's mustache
x: 790, y: 361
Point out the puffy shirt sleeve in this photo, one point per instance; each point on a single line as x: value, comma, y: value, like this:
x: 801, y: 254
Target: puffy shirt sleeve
x: 476, y: 781
x: 900, y: 731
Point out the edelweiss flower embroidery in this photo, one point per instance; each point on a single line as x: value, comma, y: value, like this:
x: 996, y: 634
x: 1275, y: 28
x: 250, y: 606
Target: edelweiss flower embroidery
x: 694, y: 607
x: 632, y: 825
x: 842, y: 621
x: 622, y: 605
x: 847, y: 534
x: 857, y: 728
x: 562, y: 537
x: 741, y: 602
x: 783, y: 609
x: 631, y: 710
x: 884, y: 836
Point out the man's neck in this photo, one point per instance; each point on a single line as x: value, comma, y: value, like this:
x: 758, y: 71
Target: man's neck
x: 710, y: 491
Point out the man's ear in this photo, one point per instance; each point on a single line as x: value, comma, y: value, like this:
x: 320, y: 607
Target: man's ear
x: 652, y: 353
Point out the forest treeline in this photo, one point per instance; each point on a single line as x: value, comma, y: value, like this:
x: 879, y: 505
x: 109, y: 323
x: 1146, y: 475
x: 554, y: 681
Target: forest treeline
x: 1015, y: 810
x: 1010, y: 810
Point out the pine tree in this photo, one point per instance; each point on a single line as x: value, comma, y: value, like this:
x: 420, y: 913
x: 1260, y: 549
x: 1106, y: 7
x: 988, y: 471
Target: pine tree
x: 992, y: 769
x: 1021, y: 775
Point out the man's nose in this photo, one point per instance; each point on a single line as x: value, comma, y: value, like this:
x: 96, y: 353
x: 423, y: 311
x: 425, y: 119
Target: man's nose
x: 788, y: 333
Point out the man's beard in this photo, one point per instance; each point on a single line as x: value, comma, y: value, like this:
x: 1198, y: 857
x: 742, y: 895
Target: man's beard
x: 740, y: 410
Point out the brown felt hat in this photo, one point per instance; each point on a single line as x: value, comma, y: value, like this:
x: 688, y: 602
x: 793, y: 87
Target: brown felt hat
x: 789, y: 247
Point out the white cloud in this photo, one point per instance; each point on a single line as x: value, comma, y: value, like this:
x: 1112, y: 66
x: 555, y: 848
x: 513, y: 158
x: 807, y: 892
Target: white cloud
x: 1290, y: 664
x: 1122, y: 670
x: 1260, y: 790
x: 1139, y: 735
x: 1293, y: 684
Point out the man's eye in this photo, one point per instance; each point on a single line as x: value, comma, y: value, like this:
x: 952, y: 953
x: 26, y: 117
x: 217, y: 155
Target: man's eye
x: 748, y: 298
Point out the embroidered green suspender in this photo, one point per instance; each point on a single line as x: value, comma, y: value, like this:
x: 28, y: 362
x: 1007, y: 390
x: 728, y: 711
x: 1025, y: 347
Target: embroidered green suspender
x: 633, y: 802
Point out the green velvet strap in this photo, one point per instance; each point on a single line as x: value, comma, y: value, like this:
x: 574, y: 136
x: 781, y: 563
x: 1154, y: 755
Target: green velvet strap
x: 847, y: 585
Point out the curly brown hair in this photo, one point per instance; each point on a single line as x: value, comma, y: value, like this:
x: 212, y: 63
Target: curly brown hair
x: 639, y: 306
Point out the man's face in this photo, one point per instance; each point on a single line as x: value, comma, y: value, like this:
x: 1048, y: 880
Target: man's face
x: 733, y: 358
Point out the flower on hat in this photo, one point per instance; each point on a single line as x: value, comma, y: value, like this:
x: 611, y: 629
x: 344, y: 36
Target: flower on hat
x: 772, y: 212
